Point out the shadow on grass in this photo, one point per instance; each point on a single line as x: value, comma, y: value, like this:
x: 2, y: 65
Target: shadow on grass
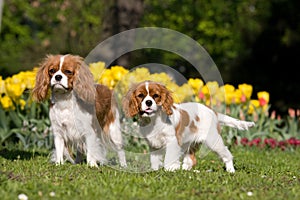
x: 13, y: 154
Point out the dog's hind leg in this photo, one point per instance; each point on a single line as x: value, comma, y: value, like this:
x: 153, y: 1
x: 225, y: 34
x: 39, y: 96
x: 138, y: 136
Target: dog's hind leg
x: 79, y: 156
x: 117, y: 140
x: 189, y: 159
x: 95, y: 151
x: 215, y: 142
x: 122, y: 157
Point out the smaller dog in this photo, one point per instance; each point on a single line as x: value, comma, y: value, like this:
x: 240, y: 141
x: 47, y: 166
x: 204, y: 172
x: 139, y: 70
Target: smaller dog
x: 82, y: 114
x: 177, y: 129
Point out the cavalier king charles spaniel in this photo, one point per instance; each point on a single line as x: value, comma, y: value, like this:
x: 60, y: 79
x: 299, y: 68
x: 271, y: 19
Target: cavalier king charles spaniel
x: 83, y: 115
x: 174, y: 130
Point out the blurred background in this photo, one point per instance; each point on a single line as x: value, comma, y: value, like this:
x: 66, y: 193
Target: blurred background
x: 251, y: 41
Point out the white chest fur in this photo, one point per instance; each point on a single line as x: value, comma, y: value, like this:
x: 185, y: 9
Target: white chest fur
x: 157, y: 130
x: 68, y: 118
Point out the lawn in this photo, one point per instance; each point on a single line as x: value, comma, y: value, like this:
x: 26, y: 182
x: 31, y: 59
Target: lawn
x: 260, y: 174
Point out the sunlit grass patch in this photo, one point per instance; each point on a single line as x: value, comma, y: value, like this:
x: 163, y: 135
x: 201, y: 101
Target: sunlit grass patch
x: 260, y: 174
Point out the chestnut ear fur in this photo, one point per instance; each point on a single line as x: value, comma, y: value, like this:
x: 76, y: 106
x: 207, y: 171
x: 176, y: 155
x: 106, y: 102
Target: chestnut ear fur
x: 166, y: 99
x: 129, y: 103
x: 84, y: 85
x: 42, y: 83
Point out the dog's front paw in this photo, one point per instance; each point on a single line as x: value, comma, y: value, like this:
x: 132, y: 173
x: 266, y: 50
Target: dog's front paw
x: 187, y: 163
x: 186, y: 166
x: 230, y: 167
x: 92, y: 164
x: 123, y: 164
x: 172, y: 167
x: 155, y: 166
x: 58, y: 163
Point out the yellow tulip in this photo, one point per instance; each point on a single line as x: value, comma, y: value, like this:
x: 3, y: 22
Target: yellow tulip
x: 205, y: 94
x: 220, y: 95
x: 141, y: 74
x: 97, y: 69
x: 229, y: 93
x: 229, y: 98
x: 118, y: 72
x: 246, y: 90
x: 107, y: 79
x: 2, y: 86
x: 14, y: 87
x: 263, y: 98
x: 208, y: 92
x: 162, y: 78
x: 22, y: 103
x: 212, y: 87
x: 6, y: 102
x: 228, y: 88
x: 27, y: 78
x: 211, y: 102
x: 172, y: 86
x: 253, y: 105
x: 205, y: 91
x: 30, y: 82
x: 196, y: 84
x: 183, y: 93
x: 237, y: 96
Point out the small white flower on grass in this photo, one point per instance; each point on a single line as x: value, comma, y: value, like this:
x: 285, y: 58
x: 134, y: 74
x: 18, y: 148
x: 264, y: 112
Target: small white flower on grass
x: 197, y: 171
x: 40, y: 193
x: 22, y: 197
x: 249, y: 194
x: 52, y: 194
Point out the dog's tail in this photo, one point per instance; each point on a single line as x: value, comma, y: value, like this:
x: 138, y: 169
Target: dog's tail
x: 234, y: 123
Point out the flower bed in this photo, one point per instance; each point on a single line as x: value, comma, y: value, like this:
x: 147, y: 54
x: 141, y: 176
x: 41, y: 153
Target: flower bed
x: 270, y: 143
x: 26, y: 122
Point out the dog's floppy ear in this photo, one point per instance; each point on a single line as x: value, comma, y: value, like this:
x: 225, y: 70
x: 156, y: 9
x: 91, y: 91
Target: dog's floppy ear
x: 166, y: 100
x: 130, y: 104
x: 42, y: 82
x: 84, y: 82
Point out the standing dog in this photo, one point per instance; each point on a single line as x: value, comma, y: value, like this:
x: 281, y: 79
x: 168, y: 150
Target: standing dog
x: 82, y: 114
x: 178, y: 128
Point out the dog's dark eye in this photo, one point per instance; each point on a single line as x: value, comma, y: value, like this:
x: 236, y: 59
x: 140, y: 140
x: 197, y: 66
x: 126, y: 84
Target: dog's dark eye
x: 52, y: 71
x: 141, y: 95
x: 155, y: 96
x: 68, y: 72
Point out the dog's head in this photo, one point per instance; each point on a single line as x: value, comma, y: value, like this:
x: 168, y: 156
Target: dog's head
x: 146, y: 98
x: 64, y: 73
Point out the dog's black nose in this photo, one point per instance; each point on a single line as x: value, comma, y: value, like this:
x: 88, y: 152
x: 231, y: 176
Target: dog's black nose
x: 58, y: 77
x: 149, y: 103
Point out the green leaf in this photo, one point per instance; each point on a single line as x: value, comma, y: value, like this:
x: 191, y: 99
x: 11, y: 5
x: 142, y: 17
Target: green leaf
x: 15, y: 118
x: 33, y: 110
x: 4, y: 120
x: 4, y: 134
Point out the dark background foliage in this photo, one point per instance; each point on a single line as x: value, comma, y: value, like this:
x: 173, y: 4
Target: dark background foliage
x: 251, y: 41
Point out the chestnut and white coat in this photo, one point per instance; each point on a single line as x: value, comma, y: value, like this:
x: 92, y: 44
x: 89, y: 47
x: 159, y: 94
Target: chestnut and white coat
x: 174, y: 131
x: 82, y: 114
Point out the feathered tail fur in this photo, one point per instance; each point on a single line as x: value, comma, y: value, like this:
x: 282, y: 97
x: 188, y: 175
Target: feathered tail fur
x: 234, y: 123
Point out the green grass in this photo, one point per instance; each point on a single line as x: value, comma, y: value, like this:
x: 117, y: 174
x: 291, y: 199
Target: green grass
x: 268, y: 174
